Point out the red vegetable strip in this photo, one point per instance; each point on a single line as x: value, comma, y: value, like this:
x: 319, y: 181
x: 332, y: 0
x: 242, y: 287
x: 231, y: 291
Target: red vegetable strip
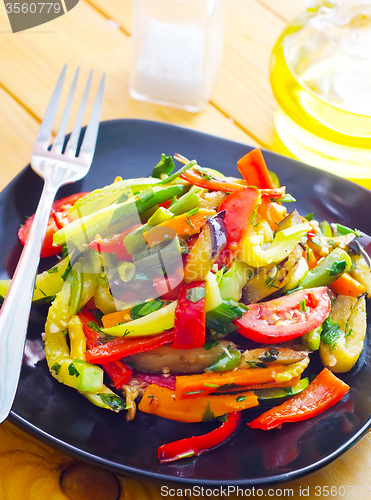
x: 113, y: 244
x: 196, y: 445
x: 254, y: 170
x: 119, y: 372
x: 121, y: 347
x: 227, y: 184
x: 189, y: 324
x: 156, y: 378
x: 322, y: 393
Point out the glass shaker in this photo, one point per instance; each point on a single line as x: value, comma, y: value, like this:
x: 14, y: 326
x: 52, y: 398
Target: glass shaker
x: 177, y: 49
x: 321, y: 78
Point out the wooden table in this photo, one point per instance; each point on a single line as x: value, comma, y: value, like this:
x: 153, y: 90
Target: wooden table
x: 96, y: 34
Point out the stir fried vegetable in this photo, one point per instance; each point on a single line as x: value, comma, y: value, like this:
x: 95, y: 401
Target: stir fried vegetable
x: 164, y: 279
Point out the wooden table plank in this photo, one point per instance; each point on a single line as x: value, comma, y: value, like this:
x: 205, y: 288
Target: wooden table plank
x: 18, y: 131
x: 30, y: 68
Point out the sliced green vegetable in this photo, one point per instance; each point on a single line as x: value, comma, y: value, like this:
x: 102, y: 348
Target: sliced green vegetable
x: 165, y: 166
x: 227, y: 361
x: 232, y: 282
x: 146, y: 308
x: 275, y: 393
x: 328, y: 270
x: 326, y: 229
x: 221, y: 318
x: 312, y: 339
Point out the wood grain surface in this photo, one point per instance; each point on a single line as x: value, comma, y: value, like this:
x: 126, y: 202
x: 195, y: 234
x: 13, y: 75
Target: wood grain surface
x: 96, y: 35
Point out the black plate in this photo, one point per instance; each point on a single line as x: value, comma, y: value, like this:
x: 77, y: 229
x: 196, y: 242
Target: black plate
x: 61, y: 417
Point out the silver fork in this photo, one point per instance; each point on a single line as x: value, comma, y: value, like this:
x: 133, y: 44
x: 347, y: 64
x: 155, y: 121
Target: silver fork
x: 57, y: 169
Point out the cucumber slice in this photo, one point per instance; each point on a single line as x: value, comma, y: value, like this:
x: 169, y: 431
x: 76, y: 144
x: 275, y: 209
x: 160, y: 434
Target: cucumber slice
x: 275, y: 395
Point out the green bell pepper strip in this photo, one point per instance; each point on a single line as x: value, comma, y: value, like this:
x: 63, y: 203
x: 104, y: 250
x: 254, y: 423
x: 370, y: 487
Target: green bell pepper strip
x: 326, y: 229
x: 312, y: 339
x: 282, y: 245
x: 328, y: 270
x: 109, y: 220
x: 185, y: 203
x: 76, y: 291
x: 227, y: 361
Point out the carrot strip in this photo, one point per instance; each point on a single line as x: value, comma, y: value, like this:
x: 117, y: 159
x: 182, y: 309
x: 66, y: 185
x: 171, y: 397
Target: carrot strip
x: 112, y: 319
x: 310, y: 258
x: 254, y: 170
x: 178, y: 226
x: 347, y: 285
x: 162, y: 401
x: 205, y: 383
x: 269, y: 213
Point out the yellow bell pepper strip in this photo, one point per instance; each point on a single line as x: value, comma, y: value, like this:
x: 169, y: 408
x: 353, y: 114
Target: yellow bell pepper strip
x: 196, y: 445
x: 122, y: 347
x: 284, y: 242
x: 322, y: 393
x: 254, y: 170
x: 77, y: 338
x: 285, y: 318
x: 189, y: 324
x: 156, y: 322
x: 328, y: 270
x: 162, y: 402
x: 205, y: 383
x: 240, y: 210
x: 47, y: 284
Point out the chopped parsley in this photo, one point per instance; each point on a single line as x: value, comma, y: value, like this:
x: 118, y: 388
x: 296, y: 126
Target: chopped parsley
x: 256, y: 364
x: 270, y: 282
x: 56, y: 368
x: 303, y: 306
x: 331, y: 333
x: 113, y: 401
x: 210, y: 344
x: 240, y: 398
x: 208, y: 415
x: 309, y: 216
x: 338, y: 268
x: 94, y: 326
x: 53, y: 270
x: 72, y: 370
x: 270, y: 355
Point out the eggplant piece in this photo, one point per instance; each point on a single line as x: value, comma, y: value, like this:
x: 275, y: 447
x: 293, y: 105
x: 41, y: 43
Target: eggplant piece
x: 273, y: 354
x: 212, y: 200
x: 165, y: 359
x: 267, y: 281
x: 205, y: 251
x: 291, y: 220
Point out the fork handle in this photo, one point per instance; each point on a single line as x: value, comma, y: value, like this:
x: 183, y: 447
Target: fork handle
x: 15, y: 311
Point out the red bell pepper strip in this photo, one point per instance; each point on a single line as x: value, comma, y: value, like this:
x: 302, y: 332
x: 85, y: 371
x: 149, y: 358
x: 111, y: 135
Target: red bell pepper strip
x: 254, y: 170
x: 113, y: 244
x: 168, y: 287
x: 119, y: 372
x: 322, y: 393
x: 239, y: 208
x: 120, y: 347
x: 287, y: 317
x: 62, y: 205
x: 196, y: 445
x: 189, y: 324
x: 227, y: 184
x: 167, y: 380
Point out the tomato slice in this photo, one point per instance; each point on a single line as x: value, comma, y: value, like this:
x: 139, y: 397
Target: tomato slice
x: 287, y: 317
x: 60, y: 207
